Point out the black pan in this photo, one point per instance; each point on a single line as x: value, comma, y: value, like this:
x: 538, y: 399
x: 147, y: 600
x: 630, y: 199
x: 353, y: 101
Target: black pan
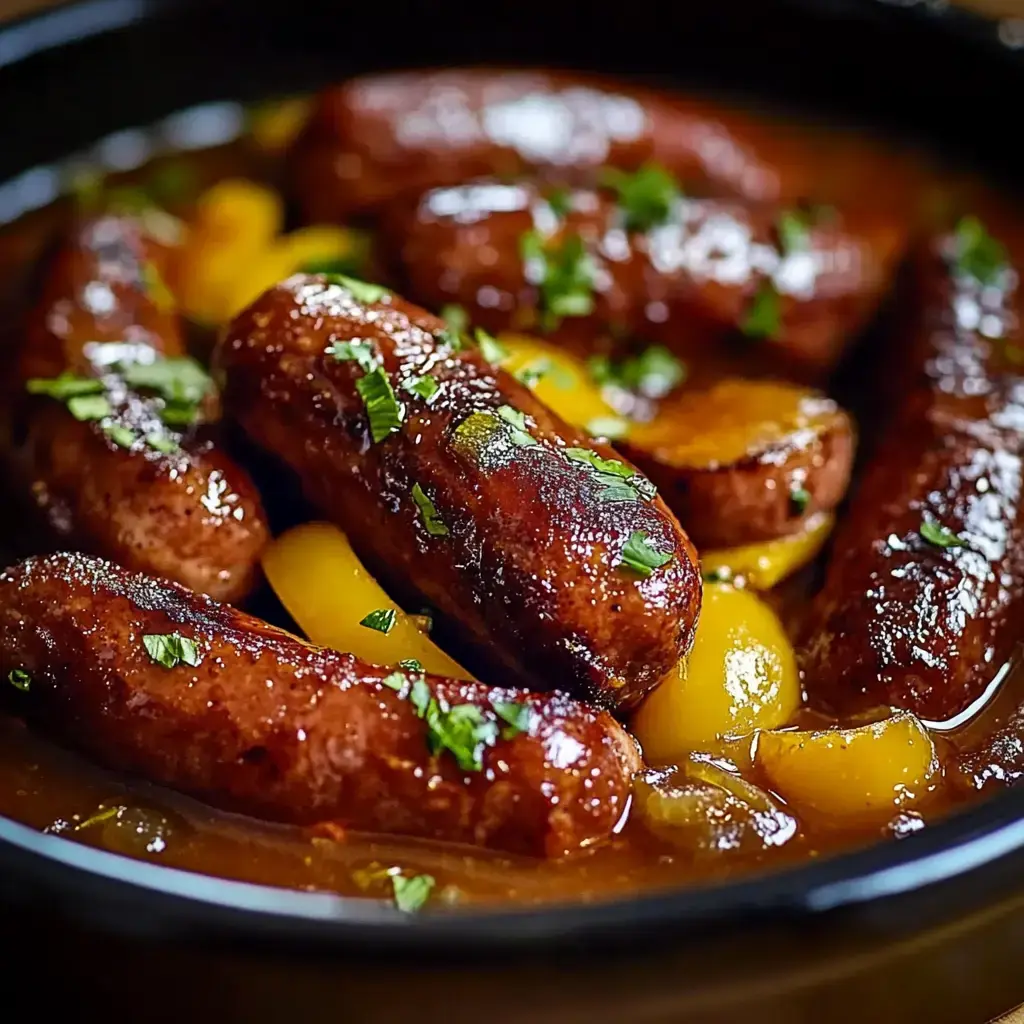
x: 930, y: 928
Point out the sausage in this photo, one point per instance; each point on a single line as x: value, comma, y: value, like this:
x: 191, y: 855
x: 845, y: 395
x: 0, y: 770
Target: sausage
x: 160, y: 498
x: 745, y: 461
x: 995, y: 762
x: 378, y: 137
x: 731, y: 288
x: 254, y: 720
x: 480, y: 501
x: 921, y: 598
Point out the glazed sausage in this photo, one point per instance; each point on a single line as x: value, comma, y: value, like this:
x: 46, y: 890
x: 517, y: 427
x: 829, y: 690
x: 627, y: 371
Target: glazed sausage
x: 377, y: 137
x: 745, y: 461
x: 252, y: 719
x: 153, y: 497
x: 477, y: 500
x: 922, y: 595
x: 709, y: 270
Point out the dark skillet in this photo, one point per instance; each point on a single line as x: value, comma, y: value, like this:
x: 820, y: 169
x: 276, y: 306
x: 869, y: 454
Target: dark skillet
x: 930, y: 928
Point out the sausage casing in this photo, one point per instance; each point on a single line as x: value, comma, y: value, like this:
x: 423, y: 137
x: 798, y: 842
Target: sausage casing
x: 480, y: 502
x: 257, y: 721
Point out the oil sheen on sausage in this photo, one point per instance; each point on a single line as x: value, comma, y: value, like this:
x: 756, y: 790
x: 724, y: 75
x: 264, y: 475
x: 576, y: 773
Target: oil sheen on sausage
x: 162, y: 499
x: 257, y: 721
x: 482, y: 504
x: 923, y: 593
x: 729, y: 287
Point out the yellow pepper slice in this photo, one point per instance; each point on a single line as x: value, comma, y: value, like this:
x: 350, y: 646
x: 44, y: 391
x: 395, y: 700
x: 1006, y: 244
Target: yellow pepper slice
x: 325, y: 588
x: 763, y: 565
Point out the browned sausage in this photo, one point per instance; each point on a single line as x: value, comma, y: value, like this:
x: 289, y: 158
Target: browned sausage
x: 708, y: 270
x: 920, y: 605
x: 160, y: 498
x: 377, y: 137
x: 269, y: 725
x: 480, y: 501
x: 745, y: 461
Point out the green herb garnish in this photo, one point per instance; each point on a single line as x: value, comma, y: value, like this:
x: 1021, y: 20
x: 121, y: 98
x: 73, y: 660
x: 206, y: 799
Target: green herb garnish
x: 720, y: 575
x: 123, y: 437
x: 382, y: 620
x: 563, y: 273
x: 162, y: 444
x: 977, y: 253
x: 171, y: 650
x: 641, y: 556
x: 517, y: 717
x: 89, y: 407
x: 490, y: 348
x: 428, y: 511
x: 411, y: 665
x: 516, y: 419
x: 362, y: 291
x: 360, y: 352
x: 463, y: 729
x: 763, y: 319
x: 611, y: 427
x: 794, y: 232
x: 426, y: 387
x: 181, y: 382
x: 560, y: 201
x: 412, y: 892
x: 383, y: 409
x: 619, y: 481
x: 800, y: 498
x: 456, y: 318
x: 937, y: 534
x: 654, y: 372
x: 646, y: 197
x: 66, y: 386
x: 538, y: 369
x: 19, y: 679
x: 395, y: 681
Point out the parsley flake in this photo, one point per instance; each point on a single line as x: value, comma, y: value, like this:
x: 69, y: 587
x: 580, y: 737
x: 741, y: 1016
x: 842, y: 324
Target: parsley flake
x: 763, y: 319
x: 653, y: 373
x: 977, y: 253
x: 799, y: 498
x: 171, y: 650
x: 362, y: 291
x: 361, y: 352
x: 411, y: 665
x: 123, y: 437
x: 937, y: 534
x: 641, y: 556
x: 564, y: 274
x: 412, y: 892
x: 89, y: 407
x: 646, y: 197
x: 619, y: 482
x: 456, y: 317
x: 19, y: 679
x: 560, y: 201
x: 611, y: 427
x: 383, y: 409
x: 428, y: 511
x: 464, y: 730
x: 540, y: 369
x: 177, y: 380
x: 517, y: 717
x: 382, y: 620
x: 395, y: 681
x: 426, y: 387
x: 66, y: 386
x: 794, y: 232
x: 516, y: 419
x: 161, y: 443
x: 490, y: 348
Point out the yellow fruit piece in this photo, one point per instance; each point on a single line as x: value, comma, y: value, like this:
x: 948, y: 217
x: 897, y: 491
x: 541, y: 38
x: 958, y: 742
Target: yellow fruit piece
x: 740, y: 676
x: 857, y: 776
x: 240, y: 214
x: 562, y: 383
x: 318, y: 578
x: 763, y: 565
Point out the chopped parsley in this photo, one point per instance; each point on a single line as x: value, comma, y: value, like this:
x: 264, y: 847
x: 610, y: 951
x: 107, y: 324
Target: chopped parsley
x: 383, y: 409
x: 641, y: 556
x: 539, y: 369
x: 428, y: 511
x: 563, y: 273
x: 517, y: 717
x: 937, y: 534
x: 763, y: 319
x: 799, y: 498
x: 977, y: 253
x: 560, y: 201
x: 181, y: 382
x: 89, y: 407
x: 645, y: 197
x: 456, y: 318
x: 410, y: 665
x: 123, y: 437
x: 654, y: 372
x: 794, y: 232
x: 66, y: 386
x: 720, y: 574
x: 160, y: 443
x: 611, y: 427
x: 426, y: 387
x: 463, y: 729
x: 19, y: 679
x: 171, y: 649
x: 516, y: 419
x: 360, y: 352
x: 490, y: 348
x: 362, y: 291
x: 412, y: 892
x: 382, y: 620
x: 395, y: 681
x: 619, y: 481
